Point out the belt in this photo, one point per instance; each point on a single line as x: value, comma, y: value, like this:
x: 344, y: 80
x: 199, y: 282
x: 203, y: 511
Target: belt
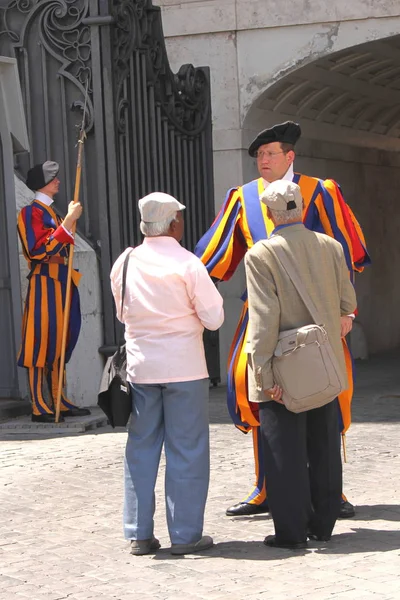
x: 58, y: 260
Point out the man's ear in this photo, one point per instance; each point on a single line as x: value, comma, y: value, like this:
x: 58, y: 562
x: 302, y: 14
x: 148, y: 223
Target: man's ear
x: 291, y: 156
x: 171, y: 229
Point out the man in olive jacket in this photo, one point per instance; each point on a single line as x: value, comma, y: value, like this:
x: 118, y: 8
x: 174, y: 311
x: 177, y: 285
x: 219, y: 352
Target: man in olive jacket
x: 301, y: 451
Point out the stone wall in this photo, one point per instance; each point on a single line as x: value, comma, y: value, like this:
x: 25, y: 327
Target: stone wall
x: 370, y: 181
x: 86, y: 365
x: 251, y: 45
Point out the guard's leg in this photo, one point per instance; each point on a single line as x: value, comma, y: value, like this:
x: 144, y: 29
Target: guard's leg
x: 258, y: 495
x: 347, y: 510
x: 68, y: 409
x: 39, y: 405
x: 256, y: 501
x: 52, y: 380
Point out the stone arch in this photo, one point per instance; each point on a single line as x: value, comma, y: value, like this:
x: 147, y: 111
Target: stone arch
x: 348, y: 96
x: 348, y: 105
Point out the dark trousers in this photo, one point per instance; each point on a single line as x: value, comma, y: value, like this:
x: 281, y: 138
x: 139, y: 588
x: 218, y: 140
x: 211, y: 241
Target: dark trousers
x: 303, y: 469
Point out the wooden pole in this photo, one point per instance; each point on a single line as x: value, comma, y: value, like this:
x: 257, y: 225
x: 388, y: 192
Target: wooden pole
x: 67, y: 306
x: 344, y: 447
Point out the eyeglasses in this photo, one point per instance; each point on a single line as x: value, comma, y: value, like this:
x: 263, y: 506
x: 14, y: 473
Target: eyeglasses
x: 265, y: 154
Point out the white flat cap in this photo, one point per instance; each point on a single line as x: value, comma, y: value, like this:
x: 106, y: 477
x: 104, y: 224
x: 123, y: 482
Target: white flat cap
x: 282, y: 195
x: 157, y: 206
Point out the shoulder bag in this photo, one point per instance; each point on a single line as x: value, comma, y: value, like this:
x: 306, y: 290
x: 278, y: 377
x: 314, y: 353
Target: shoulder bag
x: 114, y: 396
x: 304, y: 364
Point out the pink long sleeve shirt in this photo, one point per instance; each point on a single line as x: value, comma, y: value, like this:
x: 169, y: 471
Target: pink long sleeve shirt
x: 169, y: 300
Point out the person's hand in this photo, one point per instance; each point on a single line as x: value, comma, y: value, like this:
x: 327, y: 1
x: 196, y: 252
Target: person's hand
x: 346, y: 324
x: 74, y: 210
x: 73, y: 214
x: 274, y: 393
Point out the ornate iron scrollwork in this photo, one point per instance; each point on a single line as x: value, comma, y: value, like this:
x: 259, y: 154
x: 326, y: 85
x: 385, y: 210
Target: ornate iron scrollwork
x: 184, y: 97
x: 60, y: 31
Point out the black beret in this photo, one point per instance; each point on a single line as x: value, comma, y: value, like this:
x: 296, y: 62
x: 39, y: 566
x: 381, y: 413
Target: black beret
x: 288, y: 133
x: 40, y: 175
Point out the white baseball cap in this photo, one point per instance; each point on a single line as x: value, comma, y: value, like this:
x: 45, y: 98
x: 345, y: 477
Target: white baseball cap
x: 157, y: 207
x: 282, y: 195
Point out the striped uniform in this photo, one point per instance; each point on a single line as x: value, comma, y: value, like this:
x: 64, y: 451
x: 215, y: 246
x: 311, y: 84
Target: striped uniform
x: 241, y: 222
x: 43, y: 237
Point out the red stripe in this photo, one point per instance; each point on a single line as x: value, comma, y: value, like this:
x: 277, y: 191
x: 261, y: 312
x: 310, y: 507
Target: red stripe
x: 358, y: 251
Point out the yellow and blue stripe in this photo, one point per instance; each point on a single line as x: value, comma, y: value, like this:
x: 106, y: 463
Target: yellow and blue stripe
x: 241, y: 222
x: 43, y: 237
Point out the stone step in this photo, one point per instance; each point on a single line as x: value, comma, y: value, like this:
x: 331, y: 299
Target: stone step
x: 10, y: 409
x: 70, y: 425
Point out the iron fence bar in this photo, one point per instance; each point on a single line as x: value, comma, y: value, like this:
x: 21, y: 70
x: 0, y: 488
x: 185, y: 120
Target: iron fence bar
x: 140, y: 128
x: 85, y: 198
x: 154, y: 183
x: 27, y: 97
x: 146, y: 132
x: 122, y: 188
x: 135, y: 168
x: 199, y: 191
x: 173, y: 160
x: 64, y: 129
x: 102, y: 181
x: 166, y: 155
x: 178, y: 140
x: 45, y: 98
x: 160, y: 148
x: 129, y: 174
x: 186, y: 197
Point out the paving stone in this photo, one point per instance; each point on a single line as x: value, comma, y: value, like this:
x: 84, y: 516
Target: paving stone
x: 61, y: 502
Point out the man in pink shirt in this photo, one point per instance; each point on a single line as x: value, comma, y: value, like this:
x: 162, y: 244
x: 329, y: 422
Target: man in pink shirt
x: 169, y: 300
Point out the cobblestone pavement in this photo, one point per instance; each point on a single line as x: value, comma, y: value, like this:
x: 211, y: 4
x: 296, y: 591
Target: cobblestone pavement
x: 61, y: 533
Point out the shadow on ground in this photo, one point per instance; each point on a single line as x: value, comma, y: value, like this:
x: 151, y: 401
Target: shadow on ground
x: 237, y: 550
x: 358, y: 540
x: 378, y: 512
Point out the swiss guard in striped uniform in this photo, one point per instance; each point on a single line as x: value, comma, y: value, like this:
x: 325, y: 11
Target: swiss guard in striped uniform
x: 45, y: 242
x: 241, y: 222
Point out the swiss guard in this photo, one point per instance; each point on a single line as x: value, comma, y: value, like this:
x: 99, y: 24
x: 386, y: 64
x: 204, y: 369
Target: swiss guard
x: 45, y: 241
x: 241, y: 222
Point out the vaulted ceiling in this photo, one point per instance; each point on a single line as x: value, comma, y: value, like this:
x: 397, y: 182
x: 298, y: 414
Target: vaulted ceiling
x: 354, y: 94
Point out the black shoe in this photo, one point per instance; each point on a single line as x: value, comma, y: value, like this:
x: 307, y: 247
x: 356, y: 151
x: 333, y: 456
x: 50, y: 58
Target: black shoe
x: 76, y: 412
x: 46, y: 418
x: 245, y: 509
x: 270, y: 540
x: 318, y: 538
x: 346, y: 510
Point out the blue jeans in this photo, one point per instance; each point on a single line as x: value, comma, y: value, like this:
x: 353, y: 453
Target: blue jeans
x: 175, y: 414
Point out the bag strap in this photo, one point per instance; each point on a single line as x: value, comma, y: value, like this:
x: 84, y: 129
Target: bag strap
x: 124, y: 272
x: 298, y: 284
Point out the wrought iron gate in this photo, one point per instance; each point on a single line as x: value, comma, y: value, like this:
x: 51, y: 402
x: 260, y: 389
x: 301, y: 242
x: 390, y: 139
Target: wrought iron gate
x: 148, y: 129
